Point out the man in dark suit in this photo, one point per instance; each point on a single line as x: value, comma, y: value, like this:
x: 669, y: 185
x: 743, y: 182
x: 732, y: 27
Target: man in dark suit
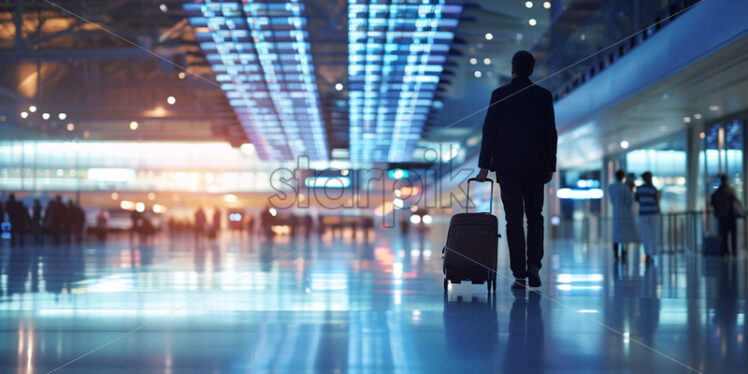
x: 519, y: 144
x: 727, y: 208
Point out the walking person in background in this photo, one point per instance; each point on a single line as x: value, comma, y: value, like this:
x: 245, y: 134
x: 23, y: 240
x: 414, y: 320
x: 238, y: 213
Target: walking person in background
x: 102, y: 220
x: 36, y: 222
x: 215, y: 227
x: 631, y: 181
x: 727, y: 208
x: 53, y: 217
x: 201, y: 223
x: 77, y: 221
x: 649, y: 215
x: 624, y: 223
x: 19, y: 219
x: 136, y: 219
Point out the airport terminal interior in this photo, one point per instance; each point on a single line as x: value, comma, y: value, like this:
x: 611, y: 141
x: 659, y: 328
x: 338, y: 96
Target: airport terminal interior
x: 226, y: 186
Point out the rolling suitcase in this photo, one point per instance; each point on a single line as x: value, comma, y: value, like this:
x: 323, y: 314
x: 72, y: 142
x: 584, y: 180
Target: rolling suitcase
x: 711, y: 245
x: 472, y: 245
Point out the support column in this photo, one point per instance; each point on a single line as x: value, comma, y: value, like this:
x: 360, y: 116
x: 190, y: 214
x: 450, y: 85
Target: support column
x: 693, y: 148
x: 744, y: 124
x: 19, y: 25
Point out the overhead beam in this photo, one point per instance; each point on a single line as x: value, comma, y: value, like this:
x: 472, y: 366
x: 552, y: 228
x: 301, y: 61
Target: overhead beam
x: 8, y: 55
x: 19, y: 25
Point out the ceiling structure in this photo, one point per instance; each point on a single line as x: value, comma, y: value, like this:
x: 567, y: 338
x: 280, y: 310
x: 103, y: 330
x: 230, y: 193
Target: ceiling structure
x: 261, y: 57
x: 396, y: 55
x: 364, y: 81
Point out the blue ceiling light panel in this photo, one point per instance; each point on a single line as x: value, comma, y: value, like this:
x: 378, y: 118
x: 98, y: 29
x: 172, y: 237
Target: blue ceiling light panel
x: 261, y: 57
x: 397, y: 51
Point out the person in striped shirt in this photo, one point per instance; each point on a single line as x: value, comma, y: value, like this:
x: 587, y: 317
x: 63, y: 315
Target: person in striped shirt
x: 649, y: 215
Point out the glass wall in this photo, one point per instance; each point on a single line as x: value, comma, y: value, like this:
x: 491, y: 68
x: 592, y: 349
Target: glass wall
x: 667, y: 162
x: 721, y: 153
x: 134, y: 166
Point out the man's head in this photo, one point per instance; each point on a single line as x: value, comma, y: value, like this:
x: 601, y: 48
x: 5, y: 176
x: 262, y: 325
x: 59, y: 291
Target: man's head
x: 724, y: 179
x: 620, y: 174
x: 523, y: 64
x: 647, y: 177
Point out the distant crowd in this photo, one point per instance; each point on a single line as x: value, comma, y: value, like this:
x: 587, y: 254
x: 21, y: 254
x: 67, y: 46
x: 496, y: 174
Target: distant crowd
x: 60, y: 221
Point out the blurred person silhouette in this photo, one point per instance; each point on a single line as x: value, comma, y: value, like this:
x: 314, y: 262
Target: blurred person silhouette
x: 631, y: 181
x: 77, y: 220
x: 250, y: 224
x: 136, y: 222
x: 624, y: 222
x: 53, y: 217
x: 266, y: 222
x: 102, y: 220
x: 368, y: 227
x: 308, y: 225
x: 404, y: 224
x: 19, y: 219
x: 727, y: 209
x: 215, y: 226
x: 519, y: 144
x: 37, y: 222
x: 201, y: 222
x: 66, y: 222
x: 649, y: 215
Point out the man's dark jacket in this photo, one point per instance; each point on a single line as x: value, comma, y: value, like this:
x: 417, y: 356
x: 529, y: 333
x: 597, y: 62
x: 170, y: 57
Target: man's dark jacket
x: 519, y: 131
x: 724, y: 201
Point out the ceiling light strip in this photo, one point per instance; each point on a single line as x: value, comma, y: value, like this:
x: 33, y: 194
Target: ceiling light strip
x: 397, y: 52
x: 260, y: 54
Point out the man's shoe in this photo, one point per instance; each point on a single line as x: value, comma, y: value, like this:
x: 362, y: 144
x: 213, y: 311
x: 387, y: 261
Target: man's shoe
x: 519, y: 284
x: 534, y: 278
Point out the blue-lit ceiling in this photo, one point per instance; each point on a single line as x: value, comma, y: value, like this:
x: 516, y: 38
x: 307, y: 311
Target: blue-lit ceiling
x: 260, y: 54
x: 397, y: 51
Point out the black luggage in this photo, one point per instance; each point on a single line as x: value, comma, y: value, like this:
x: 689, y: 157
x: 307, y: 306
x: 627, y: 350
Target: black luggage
x: 711, y: 245
x: 472, y: 245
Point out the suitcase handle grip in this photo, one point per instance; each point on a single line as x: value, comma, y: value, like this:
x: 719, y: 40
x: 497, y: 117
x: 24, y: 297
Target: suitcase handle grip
x: 490, y: 203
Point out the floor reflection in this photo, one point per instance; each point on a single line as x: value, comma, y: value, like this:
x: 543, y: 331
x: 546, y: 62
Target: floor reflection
x: 525, y: 351
x: 351, y: 302
x: 471, y: 331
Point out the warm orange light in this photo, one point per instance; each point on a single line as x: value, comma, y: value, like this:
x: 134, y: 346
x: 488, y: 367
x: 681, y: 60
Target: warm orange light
x: 384, y: 209
x: 127, y: 205
x: 157, y: 112
x: 409, y: 191
x: 281, y: 229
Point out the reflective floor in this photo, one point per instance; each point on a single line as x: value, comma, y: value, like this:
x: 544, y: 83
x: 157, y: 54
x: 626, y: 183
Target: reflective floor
x: 344, y: 304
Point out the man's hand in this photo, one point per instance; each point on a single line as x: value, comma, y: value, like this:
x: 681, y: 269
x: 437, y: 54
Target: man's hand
x: 482, y: 175
x: 548, y: 177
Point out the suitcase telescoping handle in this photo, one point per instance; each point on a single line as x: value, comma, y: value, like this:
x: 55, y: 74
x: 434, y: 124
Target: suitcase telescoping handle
x: 490, y: 204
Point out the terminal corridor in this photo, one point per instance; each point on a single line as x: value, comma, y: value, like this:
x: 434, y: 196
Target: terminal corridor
x: 373, y: 186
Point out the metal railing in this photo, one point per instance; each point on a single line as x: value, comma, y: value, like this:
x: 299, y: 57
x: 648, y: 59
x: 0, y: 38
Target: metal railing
x: 679, y: 231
